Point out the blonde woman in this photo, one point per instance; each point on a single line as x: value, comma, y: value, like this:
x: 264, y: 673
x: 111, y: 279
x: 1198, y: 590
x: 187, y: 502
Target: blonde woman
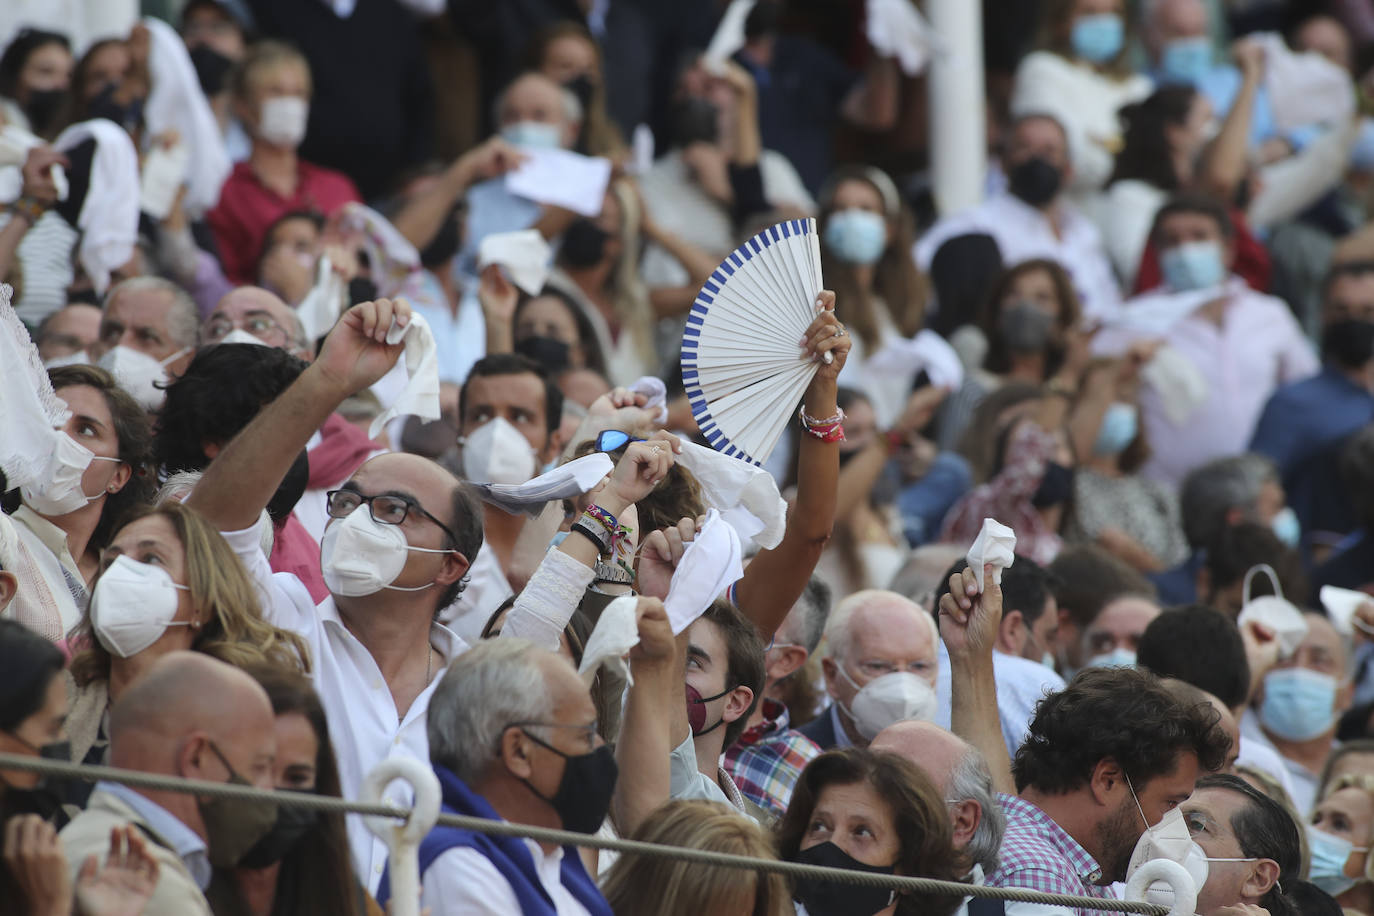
x: 167, y: 582
x: 672, y: 887
x: 1340, y: 835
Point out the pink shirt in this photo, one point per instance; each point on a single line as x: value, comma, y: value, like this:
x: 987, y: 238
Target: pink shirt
x: 1257, y: 347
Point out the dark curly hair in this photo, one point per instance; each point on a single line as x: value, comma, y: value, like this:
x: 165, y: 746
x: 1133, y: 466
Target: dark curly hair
x: 1118, y: 713
x: 218, y: 395
x: 135, y: 441
x: 1201, y: 646
x: 918, y: 812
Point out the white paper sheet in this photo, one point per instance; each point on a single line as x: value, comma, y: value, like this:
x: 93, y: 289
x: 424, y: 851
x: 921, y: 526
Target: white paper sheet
x: 525, y: 255
x: 563, y: 482
x: 709, y: 565
x: 563, y: 179
x: 995, y: 544
x: 615, y: 634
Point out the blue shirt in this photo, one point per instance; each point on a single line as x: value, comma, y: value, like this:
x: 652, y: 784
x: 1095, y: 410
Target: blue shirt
x: 184, y: 841
x: 1222, y: 84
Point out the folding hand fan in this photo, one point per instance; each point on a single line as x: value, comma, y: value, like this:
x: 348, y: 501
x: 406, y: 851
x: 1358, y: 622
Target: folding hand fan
x: 742, y: 366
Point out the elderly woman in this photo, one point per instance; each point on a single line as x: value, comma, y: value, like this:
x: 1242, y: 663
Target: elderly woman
x: 872, y: 812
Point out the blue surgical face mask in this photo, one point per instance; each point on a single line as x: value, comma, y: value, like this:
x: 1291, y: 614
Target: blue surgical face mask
x: 1192, y: 265
x: 1299, y: 704
x: 1119, y: 427
x: 1097, y: 39
x: 533, y: 135
x: 1329, y: 857
x: 856, y: 236
x: 1287, y: 527
x: 1117, y: 658
x: 1185, y: 61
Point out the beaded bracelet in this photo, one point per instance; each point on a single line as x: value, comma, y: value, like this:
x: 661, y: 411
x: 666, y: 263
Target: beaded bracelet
x: 831, y: 429
x: 617, y: 535
x: 30, y: 209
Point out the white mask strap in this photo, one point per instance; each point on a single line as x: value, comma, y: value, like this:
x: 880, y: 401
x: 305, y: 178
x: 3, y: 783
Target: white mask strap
x: 1250, y: 574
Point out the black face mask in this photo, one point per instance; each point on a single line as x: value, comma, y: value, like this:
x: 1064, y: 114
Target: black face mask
x: 695, y: 120
x: 549, y: 352
x: 361, y: 289
x: 444, y: 245
x: 1055, y: 487
x: 105, y: 106
x: 43, y: 799
x: 42, y: 107
x: 290, y: 828
x: 1035, y: 180
x: 584, y: 793
x: 830, y: 898
x: 1349, y: 343
x: 584, y: 244
x: 582, y: 87
x: 211, y: 68
x: 1025, y: 328
x: 290, y: 490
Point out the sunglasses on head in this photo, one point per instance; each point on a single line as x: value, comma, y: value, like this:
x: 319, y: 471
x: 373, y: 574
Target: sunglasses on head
x: 608, y: 440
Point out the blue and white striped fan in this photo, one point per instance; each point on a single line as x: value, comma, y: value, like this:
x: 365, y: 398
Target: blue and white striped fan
x: 742, y: 366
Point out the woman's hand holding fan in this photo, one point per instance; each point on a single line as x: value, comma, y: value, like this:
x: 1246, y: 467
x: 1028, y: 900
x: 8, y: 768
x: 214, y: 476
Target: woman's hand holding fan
x: 826, y: 340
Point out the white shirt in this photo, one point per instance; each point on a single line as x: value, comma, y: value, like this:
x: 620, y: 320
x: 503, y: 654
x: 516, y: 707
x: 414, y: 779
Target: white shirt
x: 487, y: 588
x: 1298, y: 781
x: 1258, y: 347
x: 1023, y: 232
x: 58, y: 576
x: 363, y: 723
x: 463, y: 882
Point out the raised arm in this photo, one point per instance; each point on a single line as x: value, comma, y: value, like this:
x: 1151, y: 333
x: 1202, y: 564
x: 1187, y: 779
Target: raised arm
x: 419, y: 220
x: 968, y: 626
x: 242, y: 479
x: 1227, y: 159
x: 646, y: 731
x: 776, y: 578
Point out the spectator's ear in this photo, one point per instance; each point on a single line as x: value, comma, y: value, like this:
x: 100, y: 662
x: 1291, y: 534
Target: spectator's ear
x: 1108, y: 783
x: 965, y: 816
x: 515, y: 753
x: 9, y: 585
x: 1264, y: 874
x: 1011, y: 633
x: 783, y: 660
x: 737, y: 704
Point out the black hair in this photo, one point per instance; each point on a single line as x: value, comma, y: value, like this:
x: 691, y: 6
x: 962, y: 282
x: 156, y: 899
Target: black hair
x: 1122, y: 714
x: 1199, y: 204
x: 18, y: 52
x: 1145, y: 154
x: 466, y: 524
x: 29, y: 663
x: 1200, y: 646
x: 1265, y: 830
x: 744, y: 663
x: 515, y: 364
x: 220, y: 393
x: 1237, y: 549
x: 1026, y: 587
x: 1087, y: 578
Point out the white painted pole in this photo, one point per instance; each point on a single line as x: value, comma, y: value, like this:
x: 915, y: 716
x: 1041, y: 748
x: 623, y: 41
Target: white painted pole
x: 958, y: 129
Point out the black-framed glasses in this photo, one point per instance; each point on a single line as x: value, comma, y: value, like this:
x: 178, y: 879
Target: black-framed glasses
x: 587, y: 733
x: 608, y: 440
x: 385, y: 508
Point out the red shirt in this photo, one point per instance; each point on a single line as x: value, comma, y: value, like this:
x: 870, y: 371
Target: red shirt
x: 247, y: 207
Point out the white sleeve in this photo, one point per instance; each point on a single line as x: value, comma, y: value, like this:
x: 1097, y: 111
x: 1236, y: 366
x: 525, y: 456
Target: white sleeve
x: 1036, y: 909
x: 463, y: 882
x: 285, y: 601
x: 548, y: 600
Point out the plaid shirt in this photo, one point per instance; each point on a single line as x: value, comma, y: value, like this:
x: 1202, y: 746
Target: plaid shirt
x: 1038, y: 854
x: 767, y: 759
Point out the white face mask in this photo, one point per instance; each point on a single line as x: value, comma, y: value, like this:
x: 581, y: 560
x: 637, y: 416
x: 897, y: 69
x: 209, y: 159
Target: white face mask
x: 79, y: 358
x: 890, y: 698
x: 361, y: 556
x: 240, y: 336
x: 497, y: 452
x: 61, y: 492
x: 133, y: 605
x: 140, y: 374
x: 282, y: 120
x: 1169, y: 839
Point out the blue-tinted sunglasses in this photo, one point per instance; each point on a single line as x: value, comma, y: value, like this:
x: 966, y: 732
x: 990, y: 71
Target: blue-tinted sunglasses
x: 608, y: 440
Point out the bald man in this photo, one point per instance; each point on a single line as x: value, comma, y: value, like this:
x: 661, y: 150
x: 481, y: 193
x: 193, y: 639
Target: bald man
x: 193, y: 717
x: 401, y: 536
x: 880, y: 664
x: 260, y: 314
x: 959, y: 771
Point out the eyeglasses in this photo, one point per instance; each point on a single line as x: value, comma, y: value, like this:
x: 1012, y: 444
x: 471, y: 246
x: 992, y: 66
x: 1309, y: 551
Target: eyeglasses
x: 608, y: 440
x: 587, y: 733
x: 385, y: 509
x: 876, y: 669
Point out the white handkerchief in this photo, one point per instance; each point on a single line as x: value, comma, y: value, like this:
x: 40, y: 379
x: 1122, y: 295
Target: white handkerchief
x: 525, y: 254
x: 995, y: 544
x: 737, y: 488
x: 31, y: 413
x: 641, y: 150
x: 709, y: 565
x: 164, y: 170
x: 1279, y: 615
x: 928, y: 351
x: 1181, y: 386
x: 420, y: 397
x: 895, y: 28
x: 320, y: 308
x: 1153, y: 314
x: 729, y: 36
x: 556, y: 176
x: 615, y: 634
x: 565, y: 481
x: 657, y: 393
x: 1304, y: 88
x: 1340, y: 604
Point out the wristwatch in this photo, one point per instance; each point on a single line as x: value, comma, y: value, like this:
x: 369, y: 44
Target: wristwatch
x: 611, y: 572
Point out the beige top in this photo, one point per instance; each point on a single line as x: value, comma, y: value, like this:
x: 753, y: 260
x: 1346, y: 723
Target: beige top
x: 52, y: 592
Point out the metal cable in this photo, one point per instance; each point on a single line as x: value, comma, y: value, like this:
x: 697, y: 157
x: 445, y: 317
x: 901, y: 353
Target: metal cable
x: 88, y: 773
